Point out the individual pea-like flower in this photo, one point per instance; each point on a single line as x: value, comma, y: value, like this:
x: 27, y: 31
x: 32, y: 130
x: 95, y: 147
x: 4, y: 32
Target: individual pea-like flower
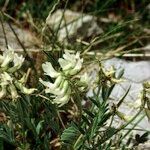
x: 70, y: 64
x: 13, y: 91
x: 3, y: 91
x: 84, y: 82
x: 23, y: 89
x: 7, y: 57
x: 49, y: 70
x: 84, y: 79
x: 63, y: 99
x: 17, y: 61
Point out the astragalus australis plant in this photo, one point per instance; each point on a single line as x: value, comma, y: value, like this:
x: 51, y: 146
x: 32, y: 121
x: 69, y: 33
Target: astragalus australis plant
x: 58, y: 114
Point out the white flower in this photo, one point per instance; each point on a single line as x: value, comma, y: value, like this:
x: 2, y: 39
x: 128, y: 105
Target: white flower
x: 3, y: 91
x: 84, y: 82
x: 62, y: 99
x: 13, y: 91
x: 6, y: 79
x: 85, y: 78
x: 52, y: 86
x: 23, y: 79
x: 70, y: 63
x: 61, y: 90
x: 8, y: 56
x: 27, y: 91
x: 49, y: 70
x: 17, y: 60
x: 10, y: 62
x: 23, y: 89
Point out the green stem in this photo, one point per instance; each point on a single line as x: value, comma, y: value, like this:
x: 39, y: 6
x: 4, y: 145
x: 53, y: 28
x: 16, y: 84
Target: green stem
x: 1, y: 144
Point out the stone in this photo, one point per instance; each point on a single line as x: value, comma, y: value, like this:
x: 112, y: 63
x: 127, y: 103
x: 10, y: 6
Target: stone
x: 143, y: 146
x: 28, y: 39
x: 72, y: 25
x: 135, y: 74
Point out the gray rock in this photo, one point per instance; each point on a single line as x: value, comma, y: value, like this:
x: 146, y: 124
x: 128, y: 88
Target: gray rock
x: 135, y: 74
x: 73, y: 25
x: 26, y: 37
x: 144, y: 146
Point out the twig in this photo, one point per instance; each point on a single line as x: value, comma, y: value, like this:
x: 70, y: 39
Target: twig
x: 4, y: 30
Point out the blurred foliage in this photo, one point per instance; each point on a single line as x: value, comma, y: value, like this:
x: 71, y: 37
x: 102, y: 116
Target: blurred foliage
x: 41, y: 8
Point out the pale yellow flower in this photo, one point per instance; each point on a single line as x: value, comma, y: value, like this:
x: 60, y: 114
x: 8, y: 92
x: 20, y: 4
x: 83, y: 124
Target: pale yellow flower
x: 3, y: 91
x: 71, y: 64
x: 8, y: 56
x: 49, y: 70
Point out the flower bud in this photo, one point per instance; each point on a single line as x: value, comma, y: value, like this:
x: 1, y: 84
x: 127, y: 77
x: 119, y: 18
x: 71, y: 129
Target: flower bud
x: 3, y: 91
x: 62, y: 100
x: 23, y: 89
x: 13, y: 92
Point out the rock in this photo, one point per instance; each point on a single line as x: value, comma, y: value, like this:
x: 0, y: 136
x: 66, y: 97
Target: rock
x: 27, y: 38
x: 73, y: 25
x: 135, y: 74
x: 143, y: 146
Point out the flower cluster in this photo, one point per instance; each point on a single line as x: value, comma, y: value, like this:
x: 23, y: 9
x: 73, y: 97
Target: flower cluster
x: 109, y: 76
x: 70, y: 64
x: 10, y: 62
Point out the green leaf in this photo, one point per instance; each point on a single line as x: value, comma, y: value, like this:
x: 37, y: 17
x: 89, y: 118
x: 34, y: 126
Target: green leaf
x: 96, y: 103
x: 39, y: 127
x: 89, y: 113
x: 106, y: 91
x: 86, y: 120
x: 71, y: 135
x: 123, y: 97
x: 1, y: 144
x: 95, y: 123
x: 107, y: 134
x: 7, y: 136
